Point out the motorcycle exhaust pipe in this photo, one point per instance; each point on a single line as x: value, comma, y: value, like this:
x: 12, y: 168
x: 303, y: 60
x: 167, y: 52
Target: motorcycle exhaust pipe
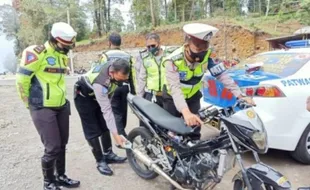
x: 149, y: 163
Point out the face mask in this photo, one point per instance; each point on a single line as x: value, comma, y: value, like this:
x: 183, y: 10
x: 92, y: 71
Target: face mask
x: 154, y: 50
x: 198, y: 57
x: 65, y: 50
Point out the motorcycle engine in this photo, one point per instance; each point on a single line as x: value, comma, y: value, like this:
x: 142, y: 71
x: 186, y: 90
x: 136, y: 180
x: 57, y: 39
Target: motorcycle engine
x: 196, y: 168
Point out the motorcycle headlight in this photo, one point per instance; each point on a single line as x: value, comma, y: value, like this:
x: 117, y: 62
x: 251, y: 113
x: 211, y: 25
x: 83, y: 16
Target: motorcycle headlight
x: 260, y: 139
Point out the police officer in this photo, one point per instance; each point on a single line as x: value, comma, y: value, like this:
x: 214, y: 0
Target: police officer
x: 119, y: 98
x: 150, y: 78
x: 184, y: 70
x: 93, y: 92
x: 41, y: 85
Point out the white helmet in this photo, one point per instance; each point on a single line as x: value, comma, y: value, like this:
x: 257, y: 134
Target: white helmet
x: 63, y: 33
x: 200, y: 31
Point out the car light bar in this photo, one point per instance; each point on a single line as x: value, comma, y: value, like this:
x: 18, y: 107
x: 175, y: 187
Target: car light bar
x: 263, y: 91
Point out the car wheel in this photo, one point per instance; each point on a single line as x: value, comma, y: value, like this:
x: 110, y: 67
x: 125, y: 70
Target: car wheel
x: 302, y: 152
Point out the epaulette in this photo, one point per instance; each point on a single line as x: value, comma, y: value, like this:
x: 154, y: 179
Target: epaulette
x: 177, y: 57
x: 171, y: 49
x: 39, y: 49
x: 144, y: 53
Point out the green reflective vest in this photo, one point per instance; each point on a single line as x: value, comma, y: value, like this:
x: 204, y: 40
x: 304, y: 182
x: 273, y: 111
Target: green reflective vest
x: 101, y: 72
x: 117, y: 53
x: 155, y: 77
x: 41, y: 77
x: 191, y: 80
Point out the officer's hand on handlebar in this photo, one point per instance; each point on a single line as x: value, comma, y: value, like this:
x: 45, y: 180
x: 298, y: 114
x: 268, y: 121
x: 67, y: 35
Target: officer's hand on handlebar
x: 248, y: 100
x: 190, y: 118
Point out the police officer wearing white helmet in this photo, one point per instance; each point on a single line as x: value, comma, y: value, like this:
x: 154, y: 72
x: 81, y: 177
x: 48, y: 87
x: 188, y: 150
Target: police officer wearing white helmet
x: 41, y: 86
x: 184, y: 70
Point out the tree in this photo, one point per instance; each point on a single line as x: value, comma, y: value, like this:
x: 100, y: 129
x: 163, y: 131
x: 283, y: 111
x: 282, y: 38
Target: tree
x: 140, y: 12
x: 9, y: 25
x: 117, y: 21
x: 37, y: 19
x: 304, y: 12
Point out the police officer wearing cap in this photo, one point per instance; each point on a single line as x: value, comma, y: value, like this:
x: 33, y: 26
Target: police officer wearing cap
x: 92, y: 94
x: 119, y: 98
x: 41, y: 86
x: 150, y: 78
x: 184, y: 69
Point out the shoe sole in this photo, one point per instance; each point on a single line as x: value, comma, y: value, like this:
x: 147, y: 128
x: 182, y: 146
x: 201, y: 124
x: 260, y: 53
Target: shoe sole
x: 107, y: 174
x: 116, y: 162
x: 68, y: 186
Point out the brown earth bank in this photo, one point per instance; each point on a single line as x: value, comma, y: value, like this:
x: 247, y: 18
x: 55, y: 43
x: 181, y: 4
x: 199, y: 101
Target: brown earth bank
x: 240, y: 42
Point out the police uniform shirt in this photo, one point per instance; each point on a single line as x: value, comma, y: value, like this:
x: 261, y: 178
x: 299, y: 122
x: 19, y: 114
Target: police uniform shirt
x: 143, y: 74
x: 101, y: 87
x: 173, y: 80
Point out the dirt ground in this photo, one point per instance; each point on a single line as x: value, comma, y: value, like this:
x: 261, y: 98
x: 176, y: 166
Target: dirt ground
x: 21, y: 149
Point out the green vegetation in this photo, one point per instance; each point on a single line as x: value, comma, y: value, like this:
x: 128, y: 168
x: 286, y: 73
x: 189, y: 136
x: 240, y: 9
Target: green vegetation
x: 31, y: 22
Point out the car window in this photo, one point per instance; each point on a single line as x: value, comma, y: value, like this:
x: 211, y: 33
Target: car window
x: 282, y: 64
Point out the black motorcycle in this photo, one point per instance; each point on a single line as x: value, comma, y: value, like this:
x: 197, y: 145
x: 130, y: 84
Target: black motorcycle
x: 166, y: 148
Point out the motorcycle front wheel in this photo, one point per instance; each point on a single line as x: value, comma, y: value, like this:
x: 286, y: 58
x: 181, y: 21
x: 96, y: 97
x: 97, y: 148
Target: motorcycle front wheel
x: 144, y: 136
x: 239, y: 185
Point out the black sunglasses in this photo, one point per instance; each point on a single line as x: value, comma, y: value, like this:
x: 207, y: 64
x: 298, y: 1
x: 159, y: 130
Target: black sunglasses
x: 153, y: 46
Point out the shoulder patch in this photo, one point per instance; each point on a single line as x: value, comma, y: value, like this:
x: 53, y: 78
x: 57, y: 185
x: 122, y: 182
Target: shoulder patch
x: 97, y: 68
x: 30, y: 57
x: 39, y: 49
x: 144, y: 53
x: 104, y: 90
x: 217, y: 69
x: 51, y: 61
x: 171, y: 49
x: 177, y: 57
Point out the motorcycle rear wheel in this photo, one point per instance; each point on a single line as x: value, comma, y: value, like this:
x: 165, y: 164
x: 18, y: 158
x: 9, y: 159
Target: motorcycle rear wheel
x: 146, y: 136
x: 239, y: 185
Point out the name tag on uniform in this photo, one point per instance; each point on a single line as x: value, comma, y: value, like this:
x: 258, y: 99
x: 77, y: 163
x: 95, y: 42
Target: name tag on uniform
x: 218, y: 69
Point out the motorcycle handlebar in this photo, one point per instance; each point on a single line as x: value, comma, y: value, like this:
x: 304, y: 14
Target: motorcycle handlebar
x: 209, y: 112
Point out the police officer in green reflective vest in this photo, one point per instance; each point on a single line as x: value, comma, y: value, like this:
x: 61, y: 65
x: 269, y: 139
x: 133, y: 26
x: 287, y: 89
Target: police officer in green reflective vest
x: 92, y: 96
x: 41, y: 85
x: 119, y: 98
x: 150, y: 77
x: 184, y: 70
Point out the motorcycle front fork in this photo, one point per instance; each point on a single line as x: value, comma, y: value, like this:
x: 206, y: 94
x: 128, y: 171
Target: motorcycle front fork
x: 240, y: 162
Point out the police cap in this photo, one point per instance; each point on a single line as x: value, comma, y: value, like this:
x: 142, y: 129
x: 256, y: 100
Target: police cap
x: 63, y: 33
x: 200, y: 31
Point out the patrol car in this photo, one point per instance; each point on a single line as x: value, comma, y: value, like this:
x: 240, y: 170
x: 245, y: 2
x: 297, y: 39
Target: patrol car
x: 279, y: 82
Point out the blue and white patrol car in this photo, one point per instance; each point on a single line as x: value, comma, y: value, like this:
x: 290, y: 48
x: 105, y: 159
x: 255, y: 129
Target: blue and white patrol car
x: 279, y: 82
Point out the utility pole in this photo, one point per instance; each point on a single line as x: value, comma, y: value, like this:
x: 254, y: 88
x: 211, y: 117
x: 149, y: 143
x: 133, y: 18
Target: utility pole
x: 225, y: 34
x: 70, y: 52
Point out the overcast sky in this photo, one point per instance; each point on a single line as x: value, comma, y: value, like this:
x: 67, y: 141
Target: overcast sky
x: 6, y: 47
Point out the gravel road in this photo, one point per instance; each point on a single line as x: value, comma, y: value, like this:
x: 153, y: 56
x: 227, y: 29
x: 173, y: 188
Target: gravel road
x: 21, y: 149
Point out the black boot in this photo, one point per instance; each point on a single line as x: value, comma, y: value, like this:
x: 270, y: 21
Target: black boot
x: 109, y: 155
x: 48, y: 174
x: 61, y: 178
x: 102, y: 165
x: 111, y: 158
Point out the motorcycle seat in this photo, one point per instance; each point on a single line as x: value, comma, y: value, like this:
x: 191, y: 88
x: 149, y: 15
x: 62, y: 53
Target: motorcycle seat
x: 161, y: 117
